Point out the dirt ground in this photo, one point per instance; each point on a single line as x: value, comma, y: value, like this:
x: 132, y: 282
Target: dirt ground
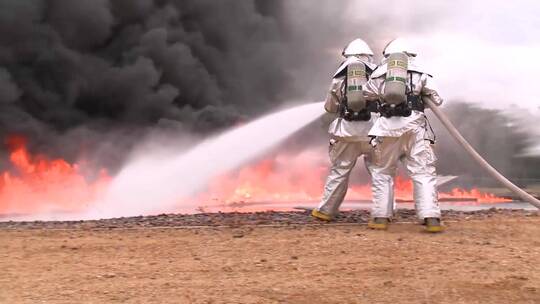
x: 489, y: 260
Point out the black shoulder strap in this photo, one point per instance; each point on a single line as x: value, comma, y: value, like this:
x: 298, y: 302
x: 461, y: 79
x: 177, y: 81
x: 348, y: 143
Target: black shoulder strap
x: 410, y: 89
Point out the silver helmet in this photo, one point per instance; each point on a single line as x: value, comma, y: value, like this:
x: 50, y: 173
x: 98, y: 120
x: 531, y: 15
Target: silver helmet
x: 357, y: 47
x: 400, y: 45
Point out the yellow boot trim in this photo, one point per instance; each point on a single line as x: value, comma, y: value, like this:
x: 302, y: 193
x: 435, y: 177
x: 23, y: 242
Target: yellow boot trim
x: 434, y: 229
x: 322, y: 216
x: 377, y: 226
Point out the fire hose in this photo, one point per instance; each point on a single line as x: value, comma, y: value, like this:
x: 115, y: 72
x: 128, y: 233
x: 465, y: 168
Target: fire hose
x: 481, y: 161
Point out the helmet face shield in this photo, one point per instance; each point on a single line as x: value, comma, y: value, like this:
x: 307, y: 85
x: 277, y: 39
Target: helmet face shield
x: 365, y: 58
x: 406, y: 53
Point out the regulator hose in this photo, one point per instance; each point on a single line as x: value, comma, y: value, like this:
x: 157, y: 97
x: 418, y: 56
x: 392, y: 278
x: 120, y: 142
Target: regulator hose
x: 481, y: 161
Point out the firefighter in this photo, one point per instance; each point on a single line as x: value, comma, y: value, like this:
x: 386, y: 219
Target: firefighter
x: 349, y: 130
x: 402, y: 133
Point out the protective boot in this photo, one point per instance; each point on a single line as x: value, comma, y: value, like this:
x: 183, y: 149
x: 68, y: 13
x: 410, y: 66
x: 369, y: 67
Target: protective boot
x: 321, y: 216
x: 379, y: 223
x: 433, y: 224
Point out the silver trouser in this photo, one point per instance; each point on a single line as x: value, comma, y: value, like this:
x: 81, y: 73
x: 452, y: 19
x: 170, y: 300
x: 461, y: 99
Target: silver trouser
x: 417, y: 154
x: 343, y: 157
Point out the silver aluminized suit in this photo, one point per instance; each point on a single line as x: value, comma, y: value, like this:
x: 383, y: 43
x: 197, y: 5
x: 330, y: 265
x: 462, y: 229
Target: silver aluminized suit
x: 408, y: 139
x: 348, y: 142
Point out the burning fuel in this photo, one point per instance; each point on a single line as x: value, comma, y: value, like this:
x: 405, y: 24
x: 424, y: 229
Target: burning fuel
x: 37, y: 184
x: 206, y: 175
x: 300, y: 178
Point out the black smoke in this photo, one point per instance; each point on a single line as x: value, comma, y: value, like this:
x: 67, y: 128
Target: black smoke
x: 91, y: 78
x: 75, y: 75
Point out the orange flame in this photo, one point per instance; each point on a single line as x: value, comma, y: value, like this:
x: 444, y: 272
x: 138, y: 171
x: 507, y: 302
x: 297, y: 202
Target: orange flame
x: 404, y: 190
x: 301, y: 179
x: 37, y: 184
x: 282, y: 179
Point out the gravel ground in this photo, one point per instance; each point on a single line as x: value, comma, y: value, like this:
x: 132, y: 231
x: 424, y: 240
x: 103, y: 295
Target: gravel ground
x: 273, y: 257
x: 249, y: 219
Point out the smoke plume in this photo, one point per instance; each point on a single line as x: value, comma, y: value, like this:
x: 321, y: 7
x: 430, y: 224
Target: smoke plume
x: 93, y: 78
x: 76, y: 74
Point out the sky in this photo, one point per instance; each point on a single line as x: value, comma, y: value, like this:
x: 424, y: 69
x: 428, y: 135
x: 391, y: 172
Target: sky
x: 485, y: 51
x: 478, y: 51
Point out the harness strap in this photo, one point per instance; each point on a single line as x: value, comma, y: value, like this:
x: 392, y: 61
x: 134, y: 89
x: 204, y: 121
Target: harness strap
x: 414, y: 102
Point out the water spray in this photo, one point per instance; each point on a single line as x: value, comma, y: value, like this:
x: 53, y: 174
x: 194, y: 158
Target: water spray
x: 153, y: 185
x: 479, y: 159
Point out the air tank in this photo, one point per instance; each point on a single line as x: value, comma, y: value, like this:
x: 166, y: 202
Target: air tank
x: 356, y: 78
x: 396, y: 79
